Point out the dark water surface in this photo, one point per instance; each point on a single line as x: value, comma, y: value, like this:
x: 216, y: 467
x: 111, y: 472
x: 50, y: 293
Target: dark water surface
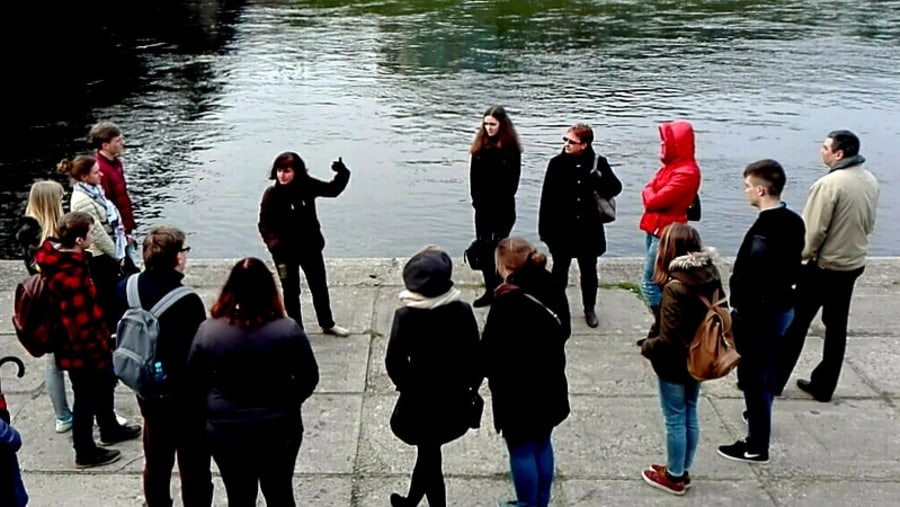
x: 209, y: 92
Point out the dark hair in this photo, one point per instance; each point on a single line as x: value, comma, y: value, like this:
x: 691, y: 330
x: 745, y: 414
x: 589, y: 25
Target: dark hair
x: 677, y: 239
x: 77, y: 168
x: 506, y: 139
x: 516, y: 253
x: 770, y: 173
x: 162, y: 246
x: 286, y: 160
x: 72, y: 226
x: 845, y: 141
x: 102, y: 133
x: 249, y: 297
x: 583, y: 131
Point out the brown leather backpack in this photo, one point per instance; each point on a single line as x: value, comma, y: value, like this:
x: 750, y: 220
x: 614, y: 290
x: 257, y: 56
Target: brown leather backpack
x: 712, y: 354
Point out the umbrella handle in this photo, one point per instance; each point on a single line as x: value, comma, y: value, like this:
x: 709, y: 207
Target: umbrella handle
x: 20, y: 372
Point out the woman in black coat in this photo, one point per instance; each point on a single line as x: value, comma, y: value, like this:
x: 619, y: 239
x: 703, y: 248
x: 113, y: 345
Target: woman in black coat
x: 432, y: 358
x: 569, y: 220
x: 494, y: 171
x: 524, y: 359
x: 289, y: 226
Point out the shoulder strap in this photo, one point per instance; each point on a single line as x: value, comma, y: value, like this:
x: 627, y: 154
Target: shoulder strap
x: 131, y: 291
x: 170, y: 299
x: 538, y: 301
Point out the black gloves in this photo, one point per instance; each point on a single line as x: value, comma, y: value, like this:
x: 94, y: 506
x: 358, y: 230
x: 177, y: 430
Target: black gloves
x: 338, y: 166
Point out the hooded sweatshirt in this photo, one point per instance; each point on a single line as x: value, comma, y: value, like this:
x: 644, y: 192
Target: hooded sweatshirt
x: 668, y: 195
x: 681, y: 312
x: 72, y: 291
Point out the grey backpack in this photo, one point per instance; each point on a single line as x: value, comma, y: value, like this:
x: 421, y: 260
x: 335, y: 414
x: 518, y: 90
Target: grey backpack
x: 134, y: 358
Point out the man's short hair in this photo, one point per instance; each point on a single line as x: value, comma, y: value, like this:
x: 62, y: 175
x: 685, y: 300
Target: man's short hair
x: 103, y: 132
x: 583, y: 131
x: 72, y: 226
x: 845, y: 141
x: 770, y: 173
x: 162, y: 246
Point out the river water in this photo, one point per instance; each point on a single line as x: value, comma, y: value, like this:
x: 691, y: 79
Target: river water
x: 208, y: 93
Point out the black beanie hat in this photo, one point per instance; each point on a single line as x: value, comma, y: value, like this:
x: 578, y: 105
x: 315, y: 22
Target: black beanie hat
x: 428, y: 273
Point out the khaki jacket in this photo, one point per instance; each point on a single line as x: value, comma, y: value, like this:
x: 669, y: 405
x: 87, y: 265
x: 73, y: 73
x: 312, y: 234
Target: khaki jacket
x: 840, y: 216
x: 104, y: 243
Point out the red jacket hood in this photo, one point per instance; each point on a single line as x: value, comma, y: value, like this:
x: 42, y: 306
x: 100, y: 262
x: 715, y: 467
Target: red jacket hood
x: 53, y: 261
x: 677, y: 142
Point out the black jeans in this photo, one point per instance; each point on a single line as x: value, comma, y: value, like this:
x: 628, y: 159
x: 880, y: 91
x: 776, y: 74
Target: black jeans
x: 249, y: 462
x: 169, y: 431
x: 93, y: 396
x: 831, y: 291
x: 491, y: 228
x: 313, y: 265
x: 428, y: 477
x: 587, y: 264
x: 105, y: 273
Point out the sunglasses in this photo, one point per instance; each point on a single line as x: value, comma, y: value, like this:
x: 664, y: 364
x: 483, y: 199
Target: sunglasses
x: 567, y: 140
x: 185, y: 249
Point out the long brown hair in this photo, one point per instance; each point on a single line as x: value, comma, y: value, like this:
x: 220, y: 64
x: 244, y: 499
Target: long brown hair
x: 249, y: 297
x: 507, y: 139
x: 677, y: 240
x: 515, y: 253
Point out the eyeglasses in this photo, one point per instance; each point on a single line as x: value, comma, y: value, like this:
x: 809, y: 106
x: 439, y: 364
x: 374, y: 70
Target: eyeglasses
x: 185, y: 249
x: 568, y: 140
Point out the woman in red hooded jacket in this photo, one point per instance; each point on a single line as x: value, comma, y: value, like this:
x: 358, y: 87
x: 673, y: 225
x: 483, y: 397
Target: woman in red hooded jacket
x: 667, y: 197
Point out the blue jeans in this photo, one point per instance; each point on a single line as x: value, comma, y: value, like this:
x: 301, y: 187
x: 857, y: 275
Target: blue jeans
x: 651, y: 292
x: 531, y: 464
x: 679, y: 408
x: 56, y: 389
x: 759, y: 387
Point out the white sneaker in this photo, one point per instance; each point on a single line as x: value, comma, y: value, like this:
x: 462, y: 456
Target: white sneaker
x: 121, y: 420
x: 337, y: 331
x: 63, y: 425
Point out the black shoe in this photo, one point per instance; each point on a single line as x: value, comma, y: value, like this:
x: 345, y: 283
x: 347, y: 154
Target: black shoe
x: 739, y: 451
x: 121, y: 434
x: 485, y: 300
x: 807, y: 387
x: 98, y: 458
x: 640, y: 343
x: 398, y: 500
x: 590, y: 316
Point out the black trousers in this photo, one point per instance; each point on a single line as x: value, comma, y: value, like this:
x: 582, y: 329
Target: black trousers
x: 587, y: 264
x: 251, y: 462
x: 428, y: 477
x: 105, y: 273
x: 492, y: 228
x: 831, y: 291
x: 93, y: 396
x: 169, y: 432
x: 313, y: 265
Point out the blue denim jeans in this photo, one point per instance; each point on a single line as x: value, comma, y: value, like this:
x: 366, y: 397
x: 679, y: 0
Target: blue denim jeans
x: 531, y: 464
x: 56, y: 389
x: 679, y: 408
x: 651, y: 292
x: 759, y: 392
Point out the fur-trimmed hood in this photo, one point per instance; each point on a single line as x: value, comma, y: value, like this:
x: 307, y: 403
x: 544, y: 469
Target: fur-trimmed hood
x: 695, y: 268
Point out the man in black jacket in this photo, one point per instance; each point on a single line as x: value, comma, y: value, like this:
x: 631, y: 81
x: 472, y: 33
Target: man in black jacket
x: 172, y: 425
x: 765, y: 271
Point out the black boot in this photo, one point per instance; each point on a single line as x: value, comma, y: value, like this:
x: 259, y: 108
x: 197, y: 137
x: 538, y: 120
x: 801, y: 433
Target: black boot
x: 654, y: 328
x: 590, y: 317
x: 485, y: 300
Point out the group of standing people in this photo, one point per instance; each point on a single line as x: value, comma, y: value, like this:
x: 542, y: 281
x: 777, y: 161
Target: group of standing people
x: 236, y: 380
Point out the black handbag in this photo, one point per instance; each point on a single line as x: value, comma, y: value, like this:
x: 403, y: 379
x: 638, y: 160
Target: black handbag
x: 605, y: 206
x: 476, y: 255
x: 693, y: 211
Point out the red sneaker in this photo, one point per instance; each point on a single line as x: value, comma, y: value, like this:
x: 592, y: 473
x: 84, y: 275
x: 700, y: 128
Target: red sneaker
x: 661, y: 469
x: 661, y: 481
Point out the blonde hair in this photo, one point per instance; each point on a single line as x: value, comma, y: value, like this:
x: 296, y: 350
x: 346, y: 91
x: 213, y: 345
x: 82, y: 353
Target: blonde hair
x: 45, y: 204
x: 514, y: 254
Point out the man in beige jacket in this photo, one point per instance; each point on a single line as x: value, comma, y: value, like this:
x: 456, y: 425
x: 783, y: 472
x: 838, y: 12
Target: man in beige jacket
x: 839, y: 216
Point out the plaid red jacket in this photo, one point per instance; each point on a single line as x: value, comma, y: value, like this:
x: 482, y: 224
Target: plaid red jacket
x: 73, y: 292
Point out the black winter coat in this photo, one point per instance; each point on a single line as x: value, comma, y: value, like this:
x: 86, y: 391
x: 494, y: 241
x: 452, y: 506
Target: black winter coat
x: 288, y: 222
x: 523, y: 354
x: 493, y: 181
x: 432, y: 358
x: 569, y: 220
x: 28, y: 236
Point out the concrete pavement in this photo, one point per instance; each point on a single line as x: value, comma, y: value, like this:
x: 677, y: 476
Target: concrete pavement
x: 840, y: 453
